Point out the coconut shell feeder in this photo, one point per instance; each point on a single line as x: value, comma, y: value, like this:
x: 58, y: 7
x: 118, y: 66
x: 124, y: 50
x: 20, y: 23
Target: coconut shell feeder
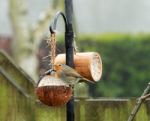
x: 53, y: 91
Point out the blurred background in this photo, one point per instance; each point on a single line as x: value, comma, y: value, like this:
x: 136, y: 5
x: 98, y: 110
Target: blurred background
x: 117, y: 29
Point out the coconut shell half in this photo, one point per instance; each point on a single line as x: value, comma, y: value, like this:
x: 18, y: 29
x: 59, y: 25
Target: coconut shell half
x: 53, y: 91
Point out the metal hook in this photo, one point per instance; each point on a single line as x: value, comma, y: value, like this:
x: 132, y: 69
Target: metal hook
x: 52, y: 27
x: 51, y: 30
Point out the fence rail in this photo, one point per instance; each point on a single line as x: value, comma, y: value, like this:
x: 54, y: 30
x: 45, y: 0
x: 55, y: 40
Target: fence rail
x: 14, y: 106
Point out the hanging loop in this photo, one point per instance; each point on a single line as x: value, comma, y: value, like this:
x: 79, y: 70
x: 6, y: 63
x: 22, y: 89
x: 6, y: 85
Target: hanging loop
x: 52, y: 49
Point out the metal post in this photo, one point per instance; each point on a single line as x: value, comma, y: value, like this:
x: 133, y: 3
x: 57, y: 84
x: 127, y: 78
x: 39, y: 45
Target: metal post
x: 69, y: 35
x: 69, y: 52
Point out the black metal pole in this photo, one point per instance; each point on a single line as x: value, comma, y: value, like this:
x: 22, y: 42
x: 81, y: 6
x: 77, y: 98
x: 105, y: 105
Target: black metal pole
x: 69, y: 53
x: 69, y: 37
x: 69, y: 33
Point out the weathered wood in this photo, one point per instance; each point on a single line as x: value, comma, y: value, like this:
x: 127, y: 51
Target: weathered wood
x: 139, y: 103
x: 14, y: 106
x: 16, y: 88
x: 16, y: 73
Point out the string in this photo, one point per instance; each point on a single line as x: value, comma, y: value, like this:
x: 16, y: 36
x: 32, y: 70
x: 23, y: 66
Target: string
x: 52, y: 53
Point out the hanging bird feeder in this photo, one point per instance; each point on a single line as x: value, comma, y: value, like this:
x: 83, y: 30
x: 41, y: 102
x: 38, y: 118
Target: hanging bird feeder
x: 51, y: 90
x: 87, y: 64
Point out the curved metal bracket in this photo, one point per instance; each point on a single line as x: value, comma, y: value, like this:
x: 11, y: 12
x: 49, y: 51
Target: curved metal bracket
x: 69, y: 35
x: 52, y: 28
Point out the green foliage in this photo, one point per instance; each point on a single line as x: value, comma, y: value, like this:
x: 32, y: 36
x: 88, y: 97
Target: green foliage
x: 126, y: 63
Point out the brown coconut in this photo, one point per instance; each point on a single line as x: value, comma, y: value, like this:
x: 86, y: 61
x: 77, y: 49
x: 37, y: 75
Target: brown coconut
x: 53, y: 91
